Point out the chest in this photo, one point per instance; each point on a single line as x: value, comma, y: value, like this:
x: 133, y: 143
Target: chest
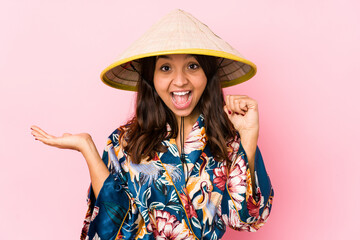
x: 186, y: 191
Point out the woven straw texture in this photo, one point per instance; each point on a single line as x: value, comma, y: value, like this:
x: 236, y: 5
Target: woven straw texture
x: 178, y: 33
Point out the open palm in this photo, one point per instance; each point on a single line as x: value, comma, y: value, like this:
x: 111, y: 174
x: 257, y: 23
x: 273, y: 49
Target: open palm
x: 66, y: 141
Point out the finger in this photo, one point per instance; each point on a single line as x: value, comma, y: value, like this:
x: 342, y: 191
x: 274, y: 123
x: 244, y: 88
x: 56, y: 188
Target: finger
x: 37, y: 131
x: 240, y: 96
x: 45, y: 134
x: 244, y: 98
x: 243, y: 105
x: 38, y: 134
x: 42, y: 132
x: 251, y: 104
x: 232, y: 104
x: 247, y: 102
x: 227, y: 101
x: 46, y: 141
x: 237, y: 107
x: 54, y: 142
x: 226, y: 110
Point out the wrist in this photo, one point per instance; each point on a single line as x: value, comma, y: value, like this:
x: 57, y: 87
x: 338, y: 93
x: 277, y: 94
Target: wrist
x: 249, y: 142
x: 87, y: 144
x: 90, y: 152
x: 249, y: 135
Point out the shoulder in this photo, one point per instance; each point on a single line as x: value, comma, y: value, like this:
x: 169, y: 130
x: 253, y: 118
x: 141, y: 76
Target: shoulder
x: 116, y: 138
x: 233, y: 145
x: 114, y: 150
x: 233, y: 140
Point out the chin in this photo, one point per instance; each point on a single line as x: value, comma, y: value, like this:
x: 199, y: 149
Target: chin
x: 183, y: 113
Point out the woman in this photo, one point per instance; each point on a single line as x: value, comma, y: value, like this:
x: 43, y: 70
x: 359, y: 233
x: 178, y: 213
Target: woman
x: 152, y: 182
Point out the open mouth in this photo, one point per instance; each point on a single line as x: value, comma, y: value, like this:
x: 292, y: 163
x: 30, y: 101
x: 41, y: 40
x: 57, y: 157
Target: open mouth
x: 181, y: 99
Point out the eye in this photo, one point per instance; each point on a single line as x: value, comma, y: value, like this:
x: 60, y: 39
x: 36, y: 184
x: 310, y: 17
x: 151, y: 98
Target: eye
x: 193, y: 66
x: 165, y: 68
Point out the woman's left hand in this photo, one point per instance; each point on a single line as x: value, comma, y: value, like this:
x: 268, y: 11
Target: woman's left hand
x: 243, y: 113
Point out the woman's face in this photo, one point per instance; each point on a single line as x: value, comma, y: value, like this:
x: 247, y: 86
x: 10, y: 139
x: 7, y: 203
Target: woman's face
x: 180, y: 81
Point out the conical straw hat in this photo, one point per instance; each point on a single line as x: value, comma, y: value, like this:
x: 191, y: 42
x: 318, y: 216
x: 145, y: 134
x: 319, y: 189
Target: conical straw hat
x: 178, y: 33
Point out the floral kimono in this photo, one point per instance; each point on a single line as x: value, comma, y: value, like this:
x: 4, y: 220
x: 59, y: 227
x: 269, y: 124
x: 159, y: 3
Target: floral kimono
x: 162, y: 199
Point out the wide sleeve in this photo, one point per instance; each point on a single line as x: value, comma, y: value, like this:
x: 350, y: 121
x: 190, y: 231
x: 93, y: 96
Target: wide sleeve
x: 241, y: 209
x: 107, y: 213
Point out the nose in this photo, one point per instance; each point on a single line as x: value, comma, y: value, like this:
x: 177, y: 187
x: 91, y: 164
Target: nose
x: 180, y: 79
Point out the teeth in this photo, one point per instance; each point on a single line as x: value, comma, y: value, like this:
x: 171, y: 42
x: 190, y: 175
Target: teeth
x: 181, y: 93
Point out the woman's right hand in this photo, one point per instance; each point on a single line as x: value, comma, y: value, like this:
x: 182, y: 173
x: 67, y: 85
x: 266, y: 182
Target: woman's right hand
x: 66, y: 141
x: 83, y: 143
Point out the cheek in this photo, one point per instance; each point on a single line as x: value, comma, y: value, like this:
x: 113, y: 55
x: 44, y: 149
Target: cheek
x: 160, y: 87
x: 202, y: 84
x: 157, y: 83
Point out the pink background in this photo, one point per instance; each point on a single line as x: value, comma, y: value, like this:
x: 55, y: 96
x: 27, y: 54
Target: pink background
x: 307, y: 87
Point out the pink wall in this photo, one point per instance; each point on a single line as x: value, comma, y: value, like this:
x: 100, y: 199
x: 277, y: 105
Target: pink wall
x: 307, y: 52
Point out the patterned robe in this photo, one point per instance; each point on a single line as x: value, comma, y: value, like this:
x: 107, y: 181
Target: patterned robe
x: 162, y: 199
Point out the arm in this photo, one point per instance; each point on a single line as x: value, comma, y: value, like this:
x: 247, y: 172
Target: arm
x: 249, y: 144
x: 243, y: 113
x: 108, y: 201
x: 246, y: 206
x: 243, y: 208
x: 97, y: 169
x: 108, y: 212
x: 83, y: 143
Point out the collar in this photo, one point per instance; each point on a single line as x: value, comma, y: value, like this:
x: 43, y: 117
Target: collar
x: 193, y: 146
x: 197, y: 133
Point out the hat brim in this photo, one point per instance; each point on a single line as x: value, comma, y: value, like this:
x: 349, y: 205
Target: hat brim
x: 112, y: 81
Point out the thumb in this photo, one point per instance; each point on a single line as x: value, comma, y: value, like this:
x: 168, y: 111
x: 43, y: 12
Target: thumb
x: 227, y: 111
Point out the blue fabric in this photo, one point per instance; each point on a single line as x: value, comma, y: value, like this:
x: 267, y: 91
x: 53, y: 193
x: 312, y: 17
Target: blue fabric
x: 162, y: 199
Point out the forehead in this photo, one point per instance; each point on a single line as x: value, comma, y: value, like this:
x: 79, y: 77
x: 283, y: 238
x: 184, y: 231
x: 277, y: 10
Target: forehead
x: 173, y: 57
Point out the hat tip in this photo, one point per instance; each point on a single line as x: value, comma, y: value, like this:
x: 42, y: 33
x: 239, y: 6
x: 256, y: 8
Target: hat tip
x: 178, y: 10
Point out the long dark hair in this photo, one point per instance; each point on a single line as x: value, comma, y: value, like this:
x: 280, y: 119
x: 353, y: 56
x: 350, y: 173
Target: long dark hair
x: 147, y: 129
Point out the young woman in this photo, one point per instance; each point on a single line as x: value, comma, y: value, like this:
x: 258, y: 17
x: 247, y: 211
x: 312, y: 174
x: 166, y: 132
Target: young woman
x: 187, y: 164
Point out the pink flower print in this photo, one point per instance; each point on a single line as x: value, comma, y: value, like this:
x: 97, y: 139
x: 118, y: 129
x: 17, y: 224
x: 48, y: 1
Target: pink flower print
x: 165, y: 226
x: 95, y: 213
x: 232, y: 220
x: 237, y: 182
x: 220, y: 177
x: 254, y: 206
x: 189, y: 207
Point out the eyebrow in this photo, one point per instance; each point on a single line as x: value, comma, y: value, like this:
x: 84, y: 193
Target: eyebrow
x: 168, y: 57
x: 164, y: 56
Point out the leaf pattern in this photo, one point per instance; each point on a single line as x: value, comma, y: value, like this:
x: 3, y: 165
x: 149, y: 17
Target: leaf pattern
x: 157, y: 199
x: 115, y: 212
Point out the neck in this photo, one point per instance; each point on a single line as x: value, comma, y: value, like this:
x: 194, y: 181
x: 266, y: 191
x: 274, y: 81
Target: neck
x: 189, y: 121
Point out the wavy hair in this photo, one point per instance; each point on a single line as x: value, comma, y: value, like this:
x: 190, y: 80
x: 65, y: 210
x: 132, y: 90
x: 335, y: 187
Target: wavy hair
x: 147, y: 129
